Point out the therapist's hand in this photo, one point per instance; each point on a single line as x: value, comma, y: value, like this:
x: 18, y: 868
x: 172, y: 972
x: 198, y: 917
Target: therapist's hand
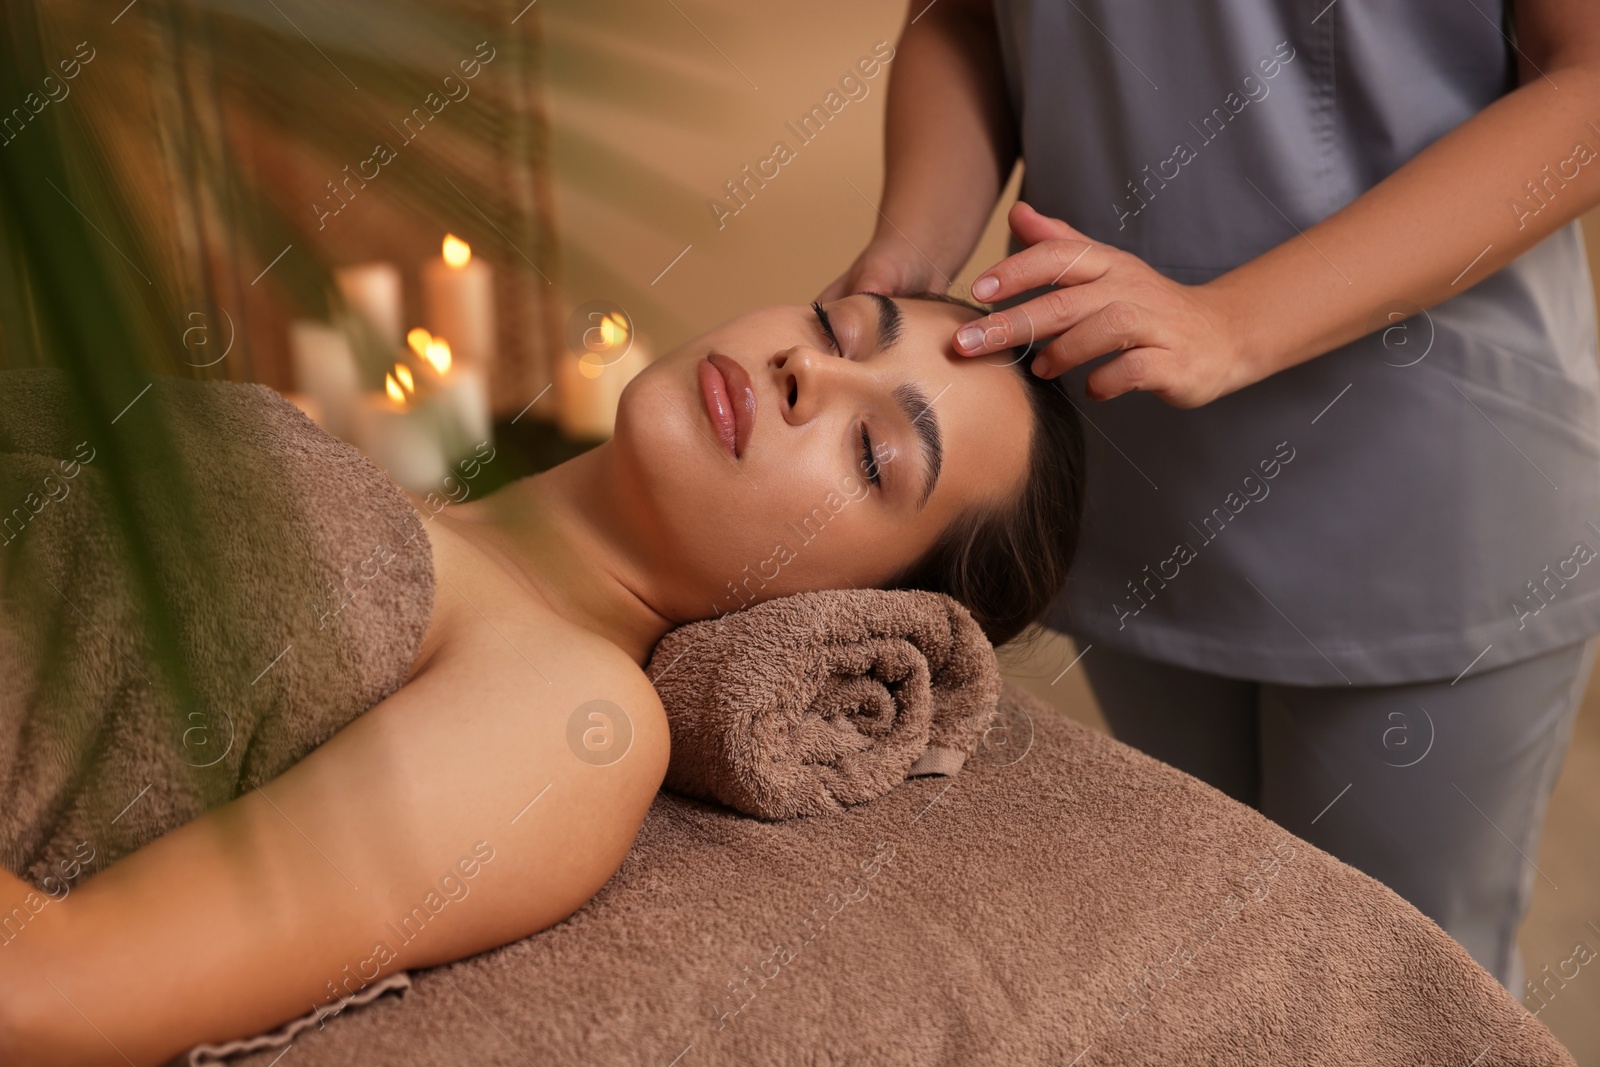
x: 1176, y: 340
x: 891, y: 266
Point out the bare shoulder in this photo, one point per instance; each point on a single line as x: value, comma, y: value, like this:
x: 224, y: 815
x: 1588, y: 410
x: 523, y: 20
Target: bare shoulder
x: 594, y: 701
x: 553, y: 743
x: 517, y: 652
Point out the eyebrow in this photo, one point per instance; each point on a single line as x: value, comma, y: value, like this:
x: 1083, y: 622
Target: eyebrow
x: 910, y: 398
x: 918, y: 410
x: 890, y: 321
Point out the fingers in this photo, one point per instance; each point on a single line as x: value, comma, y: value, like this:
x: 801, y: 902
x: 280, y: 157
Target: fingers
x: 1065, y: 261
x: 1120, y: 326
x: 857, y: 280
x: 890, y: 271
x: 837, y: 289
x: 1032, y: 227
x: 1135, y: 370
x: 1030, y: 322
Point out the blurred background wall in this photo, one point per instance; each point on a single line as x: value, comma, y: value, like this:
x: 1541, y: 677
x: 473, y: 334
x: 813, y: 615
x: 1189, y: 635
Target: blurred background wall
x: 748, y: 73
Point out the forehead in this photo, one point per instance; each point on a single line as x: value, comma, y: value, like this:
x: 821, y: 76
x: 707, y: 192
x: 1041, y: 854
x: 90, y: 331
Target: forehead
x: 926, y: 350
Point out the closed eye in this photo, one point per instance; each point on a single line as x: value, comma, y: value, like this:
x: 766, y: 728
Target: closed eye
x: 827, y: 326
x: 869, y: 464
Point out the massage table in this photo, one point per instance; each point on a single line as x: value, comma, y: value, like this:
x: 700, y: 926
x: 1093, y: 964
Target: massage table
x: 1062, y: 900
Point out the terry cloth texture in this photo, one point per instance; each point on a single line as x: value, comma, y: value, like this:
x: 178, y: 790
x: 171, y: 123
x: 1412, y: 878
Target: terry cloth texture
x: 1064, y: 899
x: 298, y: 601
x: 805, y: 704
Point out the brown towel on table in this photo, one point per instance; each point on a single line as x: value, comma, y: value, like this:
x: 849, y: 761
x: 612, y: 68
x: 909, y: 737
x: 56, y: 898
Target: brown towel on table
x: 205, y: 1055
x: 808, y: 703
x: 1066, y: 901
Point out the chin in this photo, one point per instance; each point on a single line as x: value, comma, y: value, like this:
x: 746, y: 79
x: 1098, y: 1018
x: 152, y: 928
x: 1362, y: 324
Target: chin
x: 659, y: 421
x: 681, y: 483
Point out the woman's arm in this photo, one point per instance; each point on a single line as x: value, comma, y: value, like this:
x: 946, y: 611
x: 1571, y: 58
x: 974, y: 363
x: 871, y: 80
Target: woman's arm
x: 1444, y: 220
x: 23, y: 907
x: 949, y: 145
x: 409, y: 839
x: 13, y: 894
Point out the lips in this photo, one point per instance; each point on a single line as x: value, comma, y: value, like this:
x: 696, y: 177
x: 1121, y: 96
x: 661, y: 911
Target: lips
x: 730, y: 401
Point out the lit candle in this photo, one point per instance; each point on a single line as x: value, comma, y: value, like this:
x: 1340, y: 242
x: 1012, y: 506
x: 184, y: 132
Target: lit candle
x: 401, y: 435
x: 373, y: 289
x: 589, y: 383
x: 325, y: 370
x: 458, y: 290
x: 461, y: 391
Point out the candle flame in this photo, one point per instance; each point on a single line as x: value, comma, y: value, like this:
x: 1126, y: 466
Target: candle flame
x: 438, y: 353
x: 613, y: 330
x: 403, y: 373
x: 418, y: 339
x: 457, y: 252
x: 392, y: 387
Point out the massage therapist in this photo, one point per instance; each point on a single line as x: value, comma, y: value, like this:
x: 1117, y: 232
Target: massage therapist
x: 1341, y: 552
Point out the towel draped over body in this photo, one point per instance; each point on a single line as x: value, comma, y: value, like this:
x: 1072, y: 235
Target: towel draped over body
x: 296, y: 591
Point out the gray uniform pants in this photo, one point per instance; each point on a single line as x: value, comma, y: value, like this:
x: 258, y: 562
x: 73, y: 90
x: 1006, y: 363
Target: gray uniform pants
x: 1437, y: 789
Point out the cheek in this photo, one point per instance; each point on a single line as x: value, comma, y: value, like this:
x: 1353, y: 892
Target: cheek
x: 666, y: 460
x: 859, y: 548
x: 708, y: 520
x: 825, y: 537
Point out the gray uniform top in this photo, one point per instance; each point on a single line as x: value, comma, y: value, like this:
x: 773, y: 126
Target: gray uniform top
x: 1421, y: 500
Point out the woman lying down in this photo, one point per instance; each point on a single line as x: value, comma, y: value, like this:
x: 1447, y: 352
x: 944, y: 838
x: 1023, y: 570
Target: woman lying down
x: 962, y: 477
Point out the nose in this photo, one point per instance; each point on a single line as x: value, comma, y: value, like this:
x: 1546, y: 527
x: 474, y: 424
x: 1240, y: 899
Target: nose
x: 809, y: 377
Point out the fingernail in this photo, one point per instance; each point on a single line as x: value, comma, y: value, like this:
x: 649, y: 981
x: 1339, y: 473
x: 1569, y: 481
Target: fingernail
x: 969, y: 337
x: 985, y: 287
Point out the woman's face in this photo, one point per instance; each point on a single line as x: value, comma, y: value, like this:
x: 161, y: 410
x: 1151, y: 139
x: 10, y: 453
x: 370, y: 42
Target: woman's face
x: 827, y: 469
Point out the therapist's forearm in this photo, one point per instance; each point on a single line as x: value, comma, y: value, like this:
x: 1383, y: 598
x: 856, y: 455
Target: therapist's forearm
x: 1428, y: 231
x: 949, y: 139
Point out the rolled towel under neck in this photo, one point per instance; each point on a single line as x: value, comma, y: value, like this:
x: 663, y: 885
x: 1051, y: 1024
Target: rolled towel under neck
x: 806, y: 704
